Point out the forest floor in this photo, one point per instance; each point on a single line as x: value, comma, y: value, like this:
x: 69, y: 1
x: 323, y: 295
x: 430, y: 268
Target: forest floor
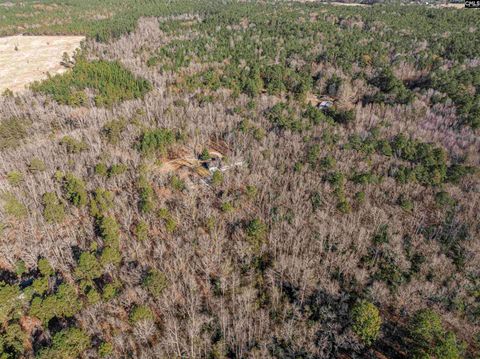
x: 24, y: 59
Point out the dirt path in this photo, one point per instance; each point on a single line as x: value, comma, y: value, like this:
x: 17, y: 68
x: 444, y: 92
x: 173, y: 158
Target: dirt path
x: 24, y: 59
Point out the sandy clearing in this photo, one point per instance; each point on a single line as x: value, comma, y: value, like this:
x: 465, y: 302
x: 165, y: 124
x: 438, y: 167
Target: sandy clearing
x: 449, y: 5
x: 337, y: 3
x: 333, y: 3
x: 347, y: 4
x: 455, y: 5
x: 34, y: 58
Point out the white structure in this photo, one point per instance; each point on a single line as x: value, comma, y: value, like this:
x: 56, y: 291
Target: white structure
x: 325, y: 104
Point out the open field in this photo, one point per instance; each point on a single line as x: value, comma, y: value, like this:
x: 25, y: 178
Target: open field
x: 332, y: 3
x: 356, y: 4
x: 24, y: 59
x: 347, y: 4
x: 451, y: 5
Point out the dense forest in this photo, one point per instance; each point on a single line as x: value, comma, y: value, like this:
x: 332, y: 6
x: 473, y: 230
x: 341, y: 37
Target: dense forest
x: 227, y: 179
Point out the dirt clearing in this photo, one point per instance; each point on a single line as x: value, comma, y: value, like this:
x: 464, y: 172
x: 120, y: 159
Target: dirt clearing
x: 24, y: 59
x: 333, y: 3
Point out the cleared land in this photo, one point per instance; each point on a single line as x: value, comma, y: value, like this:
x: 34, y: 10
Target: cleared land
x: 24, y: 59
x: 455, y: 5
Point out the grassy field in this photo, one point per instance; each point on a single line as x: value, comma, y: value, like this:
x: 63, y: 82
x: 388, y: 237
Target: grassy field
x: 25, y: 59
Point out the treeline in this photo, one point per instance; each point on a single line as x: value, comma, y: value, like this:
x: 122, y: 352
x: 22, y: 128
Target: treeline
x: 111, y: 82
x: 101, y: 20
